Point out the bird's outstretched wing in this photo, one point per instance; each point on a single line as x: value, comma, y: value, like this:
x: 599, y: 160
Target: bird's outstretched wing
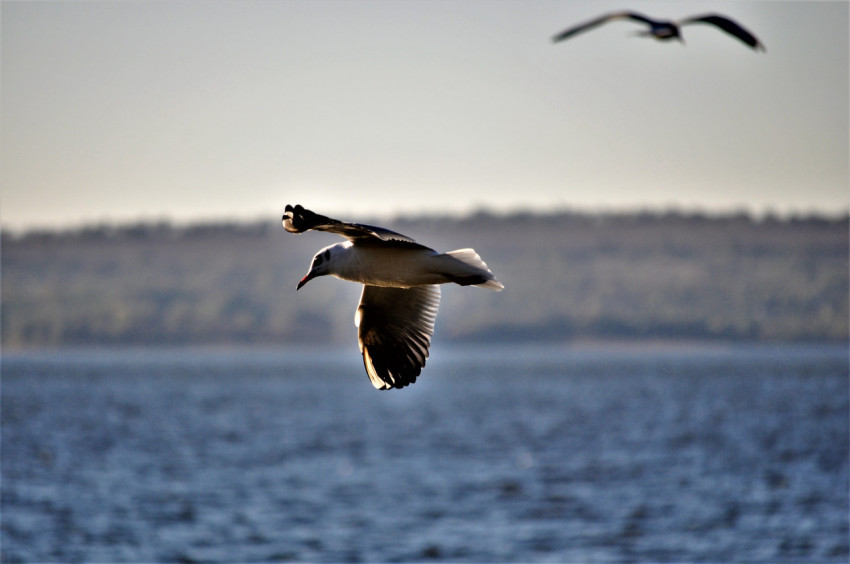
x: 567, y: 33
x: 394, y: 332
x: 729, y: 26
x: 297, y: 219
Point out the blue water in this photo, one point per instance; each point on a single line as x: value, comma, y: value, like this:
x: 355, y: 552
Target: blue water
x: 536, y: 454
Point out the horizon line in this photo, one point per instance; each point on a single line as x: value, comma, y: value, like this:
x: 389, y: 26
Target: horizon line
x: 119, y: 224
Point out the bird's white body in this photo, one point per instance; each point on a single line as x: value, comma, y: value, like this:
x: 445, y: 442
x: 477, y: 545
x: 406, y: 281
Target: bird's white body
x: 400, y: 267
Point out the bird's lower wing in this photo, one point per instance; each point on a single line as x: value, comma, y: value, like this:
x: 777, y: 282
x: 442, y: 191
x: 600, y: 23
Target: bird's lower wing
x: 731, y: 27
x: 297, y: 219
x: 395, y: 326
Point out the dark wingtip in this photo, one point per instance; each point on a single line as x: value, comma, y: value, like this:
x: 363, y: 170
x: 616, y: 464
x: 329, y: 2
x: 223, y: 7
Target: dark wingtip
x: 394, y: 372
x: 295, y: 218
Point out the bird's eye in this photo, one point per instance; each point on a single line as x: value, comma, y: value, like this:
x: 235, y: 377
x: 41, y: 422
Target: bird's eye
x: 318, y: 260
x: 327, y: 254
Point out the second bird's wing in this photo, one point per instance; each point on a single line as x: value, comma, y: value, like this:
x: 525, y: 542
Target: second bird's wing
x: 395, y: 326
x: 731, y: 27
x: 567, y: 33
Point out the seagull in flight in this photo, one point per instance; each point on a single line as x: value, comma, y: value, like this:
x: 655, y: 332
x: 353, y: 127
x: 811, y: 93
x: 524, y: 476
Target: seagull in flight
x: 401, y: 292
x: 667, y: 30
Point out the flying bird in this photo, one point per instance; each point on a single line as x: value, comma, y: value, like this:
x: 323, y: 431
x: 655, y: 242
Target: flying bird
x: 667, y: 30
x: 401, y: 292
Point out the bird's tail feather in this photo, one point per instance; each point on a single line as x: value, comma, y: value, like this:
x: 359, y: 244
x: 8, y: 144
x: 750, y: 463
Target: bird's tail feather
x: 475, y: 271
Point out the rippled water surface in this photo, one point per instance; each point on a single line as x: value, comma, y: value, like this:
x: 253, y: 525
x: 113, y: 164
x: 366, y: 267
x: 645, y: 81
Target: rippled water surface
x: 497, y: 454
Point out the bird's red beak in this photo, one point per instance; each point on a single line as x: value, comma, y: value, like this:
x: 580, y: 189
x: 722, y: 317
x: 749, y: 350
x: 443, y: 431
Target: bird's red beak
x: 310, y: 275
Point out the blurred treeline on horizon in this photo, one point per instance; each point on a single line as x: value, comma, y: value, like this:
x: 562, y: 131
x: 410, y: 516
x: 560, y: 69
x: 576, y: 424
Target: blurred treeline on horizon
x: 567, y: 276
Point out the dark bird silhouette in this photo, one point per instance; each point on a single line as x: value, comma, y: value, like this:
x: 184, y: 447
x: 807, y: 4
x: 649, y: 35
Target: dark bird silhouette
x: 667, y: 30
x: 401, y: 291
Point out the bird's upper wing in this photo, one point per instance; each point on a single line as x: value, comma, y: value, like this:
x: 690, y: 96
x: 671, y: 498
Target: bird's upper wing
x: 729, y: 26
x: 394, y: 332
x: 599, y: 21
x: 297, y: 219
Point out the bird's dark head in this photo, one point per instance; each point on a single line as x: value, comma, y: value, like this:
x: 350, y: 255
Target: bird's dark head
x: 321, y: 266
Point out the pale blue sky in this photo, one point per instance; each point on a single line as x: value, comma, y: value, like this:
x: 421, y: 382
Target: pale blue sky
x: 121, y: 111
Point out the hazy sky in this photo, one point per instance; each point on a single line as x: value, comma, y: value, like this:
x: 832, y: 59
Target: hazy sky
x: 204, y: 109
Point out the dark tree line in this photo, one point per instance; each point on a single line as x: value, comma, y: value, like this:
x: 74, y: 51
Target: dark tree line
x: 567, y: 276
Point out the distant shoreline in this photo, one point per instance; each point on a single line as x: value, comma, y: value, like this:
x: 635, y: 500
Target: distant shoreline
x: 569, y: 278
